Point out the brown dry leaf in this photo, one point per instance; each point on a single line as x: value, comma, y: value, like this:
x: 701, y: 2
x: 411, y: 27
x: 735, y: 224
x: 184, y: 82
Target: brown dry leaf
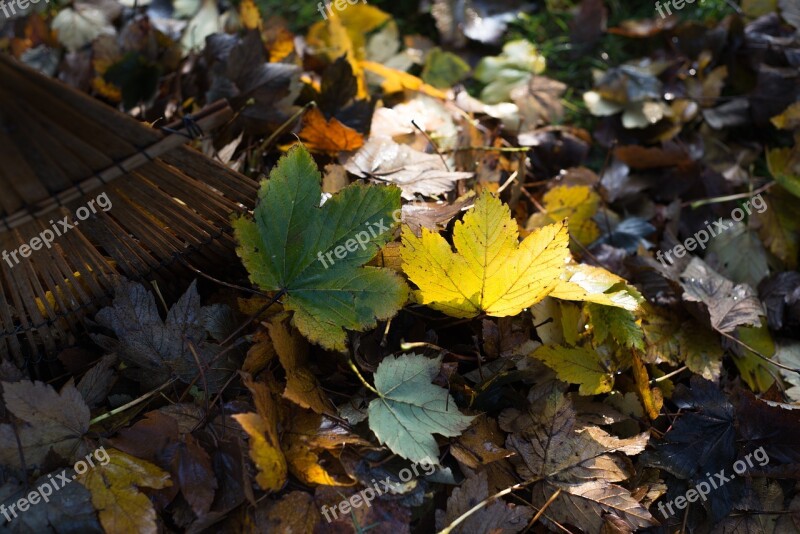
x: 262, y: 427
x: 308, y: 437
x: 52, y: 420
x: 302, y: 386
x: 728, y: 306
x: 583, y: 463
x: 331, y: 136
x: 158, y: 438
x: 413, y: 171
x: 498, y: 516
x: 639, y: 157
x: 115, y: 492
x: 480, y: 444
x: 294, y: 513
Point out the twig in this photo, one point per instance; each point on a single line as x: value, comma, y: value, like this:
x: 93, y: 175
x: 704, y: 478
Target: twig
x: 489, y: 149
x: 131, y: 404
x: 460, y: 519
x: 697, y: 203
x: 757, y: 353
x: 436, y: 148
x: 552, y: 498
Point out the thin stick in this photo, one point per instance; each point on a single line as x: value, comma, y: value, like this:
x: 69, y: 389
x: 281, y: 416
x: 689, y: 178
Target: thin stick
x: 436, y: 148
x: 697, y: 203
x: 131, y: 404
x: 757, y: 353
x: 489, y: 149
x: 535, y: 518
x: 460, y: 519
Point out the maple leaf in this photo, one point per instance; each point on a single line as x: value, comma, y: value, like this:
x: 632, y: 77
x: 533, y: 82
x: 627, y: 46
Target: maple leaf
x: 492, y: 272
x: 582, y: 462
x: 114, y: 486
x: 495, y: 517
x: 413, y: 171
x: 410, y: 408
x: 161, y: 349
x: 53, y: 420
x: 728, y: 306
x: 290, y: 247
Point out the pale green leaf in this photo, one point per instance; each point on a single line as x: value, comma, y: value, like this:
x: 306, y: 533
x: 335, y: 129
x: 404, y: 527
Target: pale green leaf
x: 410, y: 409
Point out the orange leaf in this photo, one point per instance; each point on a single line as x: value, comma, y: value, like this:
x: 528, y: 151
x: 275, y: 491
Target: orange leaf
x: 320, y: 135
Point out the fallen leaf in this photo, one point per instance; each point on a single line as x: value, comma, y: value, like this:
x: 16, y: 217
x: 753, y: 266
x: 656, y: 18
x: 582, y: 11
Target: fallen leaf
x: 115, y: 486
x: 409, y: 409
x: 53, y: 420
x: 321, y: 135
x: 290, y: 246
x: 413, y: 171
x: 491, y: 272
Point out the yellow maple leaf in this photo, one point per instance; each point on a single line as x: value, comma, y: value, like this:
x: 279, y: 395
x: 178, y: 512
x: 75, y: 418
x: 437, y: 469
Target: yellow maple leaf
x: 115, y: 492
x: 578, y: 203
x: 492, y: 272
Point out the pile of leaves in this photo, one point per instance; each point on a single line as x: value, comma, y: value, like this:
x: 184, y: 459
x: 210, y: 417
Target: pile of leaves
x: 455, y: 261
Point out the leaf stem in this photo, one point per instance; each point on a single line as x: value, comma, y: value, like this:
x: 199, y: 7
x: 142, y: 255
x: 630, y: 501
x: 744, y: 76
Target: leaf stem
x: 361, y: 378
x: 131, y: 404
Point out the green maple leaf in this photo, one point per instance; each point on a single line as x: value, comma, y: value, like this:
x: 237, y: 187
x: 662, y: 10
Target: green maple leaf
x: 292, y: 243
x: 410, y: 409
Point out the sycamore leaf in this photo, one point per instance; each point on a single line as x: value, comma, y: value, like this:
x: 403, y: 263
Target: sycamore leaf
x: 498, y: 516
x: 410, y: 409
x: 52, y: 420
x: 701, y: 349
x: 728, y: 306
x: 491, y: 272
x: 577, y: 203
x: 755, y: 371
x: 581, y: 462
x: 577, y: 366
x: 291, y: 244
x: 115, y: 492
